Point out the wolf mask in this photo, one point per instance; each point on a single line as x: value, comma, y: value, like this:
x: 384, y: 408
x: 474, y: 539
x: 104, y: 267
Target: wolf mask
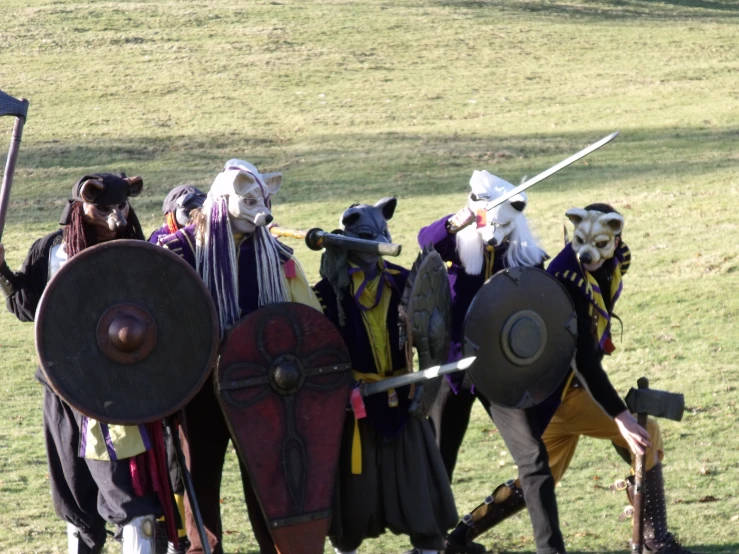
x: 367, y: 222
x: 597, y: 233
x: 505, y: 222
x: 248, y: 193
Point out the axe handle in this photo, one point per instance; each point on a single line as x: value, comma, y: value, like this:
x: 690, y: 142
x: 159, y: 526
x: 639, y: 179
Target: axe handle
x: 189, y: 489
x: 15, y: 143
x: 637, y: 535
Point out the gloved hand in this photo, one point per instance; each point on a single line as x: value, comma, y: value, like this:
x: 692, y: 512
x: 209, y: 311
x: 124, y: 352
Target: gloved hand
x: 460, y: 220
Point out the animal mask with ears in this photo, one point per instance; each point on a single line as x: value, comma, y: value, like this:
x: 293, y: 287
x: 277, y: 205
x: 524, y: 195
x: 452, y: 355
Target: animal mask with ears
x: 368, y: 222
x: 597, y: 233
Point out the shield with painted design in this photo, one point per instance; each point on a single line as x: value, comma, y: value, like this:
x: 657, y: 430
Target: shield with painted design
x: 126, y: 332
x: 283, y: 382
x: 425, y: 322
x: 522, y: 327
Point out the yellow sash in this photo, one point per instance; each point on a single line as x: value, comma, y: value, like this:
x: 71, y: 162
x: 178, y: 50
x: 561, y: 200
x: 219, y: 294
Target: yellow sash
x: 356, y: 439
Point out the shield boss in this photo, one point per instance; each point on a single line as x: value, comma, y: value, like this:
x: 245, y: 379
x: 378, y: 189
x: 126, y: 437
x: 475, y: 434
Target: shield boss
x: 126, y: 332
x: 522, y: 327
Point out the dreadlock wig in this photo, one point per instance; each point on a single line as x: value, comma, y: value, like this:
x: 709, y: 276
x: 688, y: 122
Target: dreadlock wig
x: 215, y: 249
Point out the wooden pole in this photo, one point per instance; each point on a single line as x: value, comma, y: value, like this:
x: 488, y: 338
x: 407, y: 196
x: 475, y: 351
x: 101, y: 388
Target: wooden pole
x: 19, y: 108
x: 637, y: 536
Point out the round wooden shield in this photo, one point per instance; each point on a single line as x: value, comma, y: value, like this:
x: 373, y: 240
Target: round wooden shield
x: 283, y: 382
x: 126, y: 332
x: 522, y: 327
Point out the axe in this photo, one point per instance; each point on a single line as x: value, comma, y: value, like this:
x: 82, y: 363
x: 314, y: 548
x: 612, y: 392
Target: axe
x: 656, y: 403
x: 19, y: 109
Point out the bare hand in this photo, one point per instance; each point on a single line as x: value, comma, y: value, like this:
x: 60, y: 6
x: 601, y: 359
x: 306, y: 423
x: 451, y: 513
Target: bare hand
x: 635, y: 435
x: 2, y: 254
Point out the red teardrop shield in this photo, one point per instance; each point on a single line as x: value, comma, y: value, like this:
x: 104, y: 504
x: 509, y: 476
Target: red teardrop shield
x: 283, y: 383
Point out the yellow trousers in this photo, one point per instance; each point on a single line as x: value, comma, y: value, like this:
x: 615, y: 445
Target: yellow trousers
x: 579, y: 415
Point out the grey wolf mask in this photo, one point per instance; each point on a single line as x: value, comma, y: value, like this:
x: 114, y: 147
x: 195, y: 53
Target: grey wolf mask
x: 597, y: 233
x: 504, y: 222
x: 370, y: 223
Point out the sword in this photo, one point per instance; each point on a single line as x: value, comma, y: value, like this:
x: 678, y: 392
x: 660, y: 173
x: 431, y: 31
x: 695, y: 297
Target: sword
x: 551, y: 171
x: 18, y: 108
x: 367, y: 389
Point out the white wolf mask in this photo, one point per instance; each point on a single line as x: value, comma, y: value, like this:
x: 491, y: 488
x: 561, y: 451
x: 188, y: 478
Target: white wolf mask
x: 504, y: 222
x: 598, y: 229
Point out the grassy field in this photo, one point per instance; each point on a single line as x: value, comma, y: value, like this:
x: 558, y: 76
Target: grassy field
x: 355, y: 100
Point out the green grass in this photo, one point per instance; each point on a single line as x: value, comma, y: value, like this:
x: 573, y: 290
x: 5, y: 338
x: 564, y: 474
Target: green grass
x: 353, y: 101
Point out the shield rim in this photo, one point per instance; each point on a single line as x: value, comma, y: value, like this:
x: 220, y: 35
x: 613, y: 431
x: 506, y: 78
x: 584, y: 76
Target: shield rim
x: 574, y: 316
x: 91, y: 251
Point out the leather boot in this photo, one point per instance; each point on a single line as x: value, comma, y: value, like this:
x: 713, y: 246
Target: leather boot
x: 656, y: 537
x: 139, y: 536
x: 506, y: 500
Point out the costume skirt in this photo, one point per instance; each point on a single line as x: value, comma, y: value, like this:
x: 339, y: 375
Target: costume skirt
x: 403, y: 488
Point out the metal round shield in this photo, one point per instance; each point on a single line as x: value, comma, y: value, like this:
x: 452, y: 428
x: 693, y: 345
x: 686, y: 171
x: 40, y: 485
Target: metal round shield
x: 126, y: 332
x: 522, y: 327
x: 283, y: 383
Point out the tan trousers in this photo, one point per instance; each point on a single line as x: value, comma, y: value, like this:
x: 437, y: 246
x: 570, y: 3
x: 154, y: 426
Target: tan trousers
x: 579, y: 415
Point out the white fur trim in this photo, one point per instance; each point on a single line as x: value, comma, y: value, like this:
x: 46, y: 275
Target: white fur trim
x: 470, y: 248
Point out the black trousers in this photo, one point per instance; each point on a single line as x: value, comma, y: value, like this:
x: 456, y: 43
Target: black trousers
x: 521, y: 430
x: 205, y: 443
x: 87, y: 493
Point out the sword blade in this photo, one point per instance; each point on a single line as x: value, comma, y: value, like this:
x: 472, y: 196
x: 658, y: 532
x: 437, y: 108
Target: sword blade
x: 552, y: 170
x: 368, y: 389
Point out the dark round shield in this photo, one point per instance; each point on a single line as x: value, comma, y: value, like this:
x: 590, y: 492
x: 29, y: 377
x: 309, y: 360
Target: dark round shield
x: 283, y: 383
x: 522, y: 327
x: 126, y: 332
x: 425, y: 320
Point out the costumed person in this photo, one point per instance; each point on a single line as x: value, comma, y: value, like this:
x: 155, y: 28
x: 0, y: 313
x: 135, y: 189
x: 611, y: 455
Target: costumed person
x: 176, y: 208
x: 391, y: 476
x: 244, y: 268
x: 591, y: 267
x: 496, y: 239
x: 95, y: 470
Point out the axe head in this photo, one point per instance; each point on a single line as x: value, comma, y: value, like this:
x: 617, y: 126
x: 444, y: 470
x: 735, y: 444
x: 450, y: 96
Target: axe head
x: 656, y: 403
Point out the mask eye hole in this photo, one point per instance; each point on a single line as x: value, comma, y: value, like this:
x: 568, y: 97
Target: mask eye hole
x: 601, y: 244
x: 251, y: 202
x: 473, y: 197
x: 366, y: 235
x: 577, y: 240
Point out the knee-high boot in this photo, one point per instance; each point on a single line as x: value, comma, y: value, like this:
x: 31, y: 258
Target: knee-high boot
x: 657, y: 538
x: 506, y: 500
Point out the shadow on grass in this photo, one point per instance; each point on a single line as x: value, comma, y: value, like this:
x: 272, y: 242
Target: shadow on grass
x: 702, y: 549
x: 611, y: 9
x: 403, y: 164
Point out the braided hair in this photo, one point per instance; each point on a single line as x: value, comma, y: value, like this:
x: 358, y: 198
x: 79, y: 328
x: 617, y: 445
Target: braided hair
x: 79, y: 236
